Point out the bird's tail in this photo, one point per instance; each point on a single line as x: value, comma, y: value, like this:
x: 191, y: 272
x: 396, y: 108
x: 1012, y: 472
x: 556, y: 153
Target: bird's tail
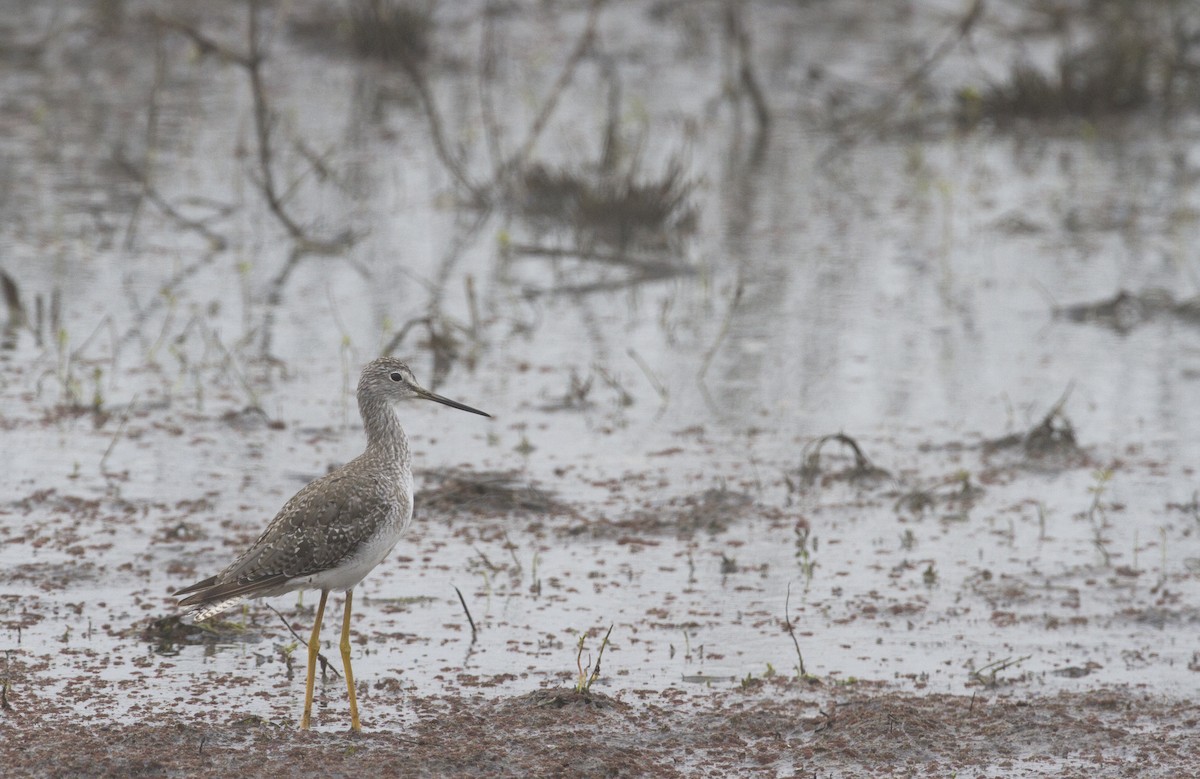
x: 205, y: 611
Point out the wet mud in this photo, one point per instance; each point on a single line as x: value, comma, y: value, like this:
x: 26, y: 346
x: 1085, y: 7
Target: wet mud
x: 771, y: 729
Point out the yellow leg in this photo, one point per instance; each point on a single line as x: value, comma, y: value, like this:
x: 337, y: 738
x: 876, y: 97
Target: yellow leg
x: 346, y: 662
x: 314, y: 644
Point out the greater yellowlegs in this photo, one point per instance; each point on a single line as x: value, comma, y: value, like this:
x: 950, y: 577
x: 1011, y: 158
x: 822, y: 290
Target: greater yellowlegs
x: 334, y: 531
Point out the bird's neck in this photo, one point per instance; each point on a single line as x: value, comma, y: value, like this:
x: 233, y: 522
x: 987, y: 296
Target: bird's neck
x: 384, y: 433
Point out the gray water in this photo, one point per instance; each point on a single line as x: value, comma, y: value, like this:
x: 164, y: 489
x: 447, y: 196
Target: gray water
x: 896, y: 284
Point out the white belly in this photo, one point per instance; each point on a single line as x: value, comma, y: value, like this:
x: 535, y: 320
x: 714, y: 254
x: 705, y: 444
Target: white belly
x: 355, y: 569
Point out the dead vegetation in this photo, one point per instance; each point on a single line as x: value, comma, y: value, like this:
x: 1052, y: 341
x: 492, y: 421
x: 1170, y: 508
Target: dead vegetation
x: 1138, y: 55
x: 1116, y: 58
x: 1096, y: 82
x: 862, y: 471
x: 711, y: 511
x: 167, y: 634
x: 621, y: 208
x: 485, y: 494
x: 1049, y: 443
x: 954, y: 497
x: 391, y: 31
x: 381, y: 30
x: 610, y: 213
x: 563, y: 697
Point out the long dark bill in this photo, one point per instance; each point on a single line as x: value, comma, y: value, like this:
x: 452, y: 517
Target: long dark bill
x: 452, y: 403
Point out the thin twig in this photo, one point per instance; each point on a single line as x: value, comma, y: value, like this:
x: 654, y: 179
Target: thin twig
x: 325, y: 664
x: 440, y: 147
x: 512, y: 552
x: 264, y: 121
x: 117, y: 435
x: 215, y: 241
x: 787, y: 622
x: 724, y: 331
x: 595, y: 674
x: 659, y: 387
x: 264, y: 125
x: 152, y: 124
x: 736, y: 29
x: 205, y: 44
x: 487, y: 74
x: 463, y: 601
x: 611, y: 152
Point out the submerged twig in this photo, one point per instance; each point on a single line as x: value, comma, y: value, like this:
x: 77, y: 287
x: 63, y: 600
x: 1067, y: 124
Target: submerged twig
x: 264, y: 120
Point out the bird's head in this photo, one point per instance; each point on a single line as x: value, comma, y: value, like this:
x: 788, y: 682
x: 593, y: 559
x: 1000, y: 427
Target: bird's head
x: 392, y: 380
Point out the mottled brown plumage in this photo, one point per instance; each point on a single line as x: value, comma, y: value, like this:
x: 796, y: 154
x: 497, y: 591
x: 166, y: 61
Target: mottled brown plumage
x: 339, y: 527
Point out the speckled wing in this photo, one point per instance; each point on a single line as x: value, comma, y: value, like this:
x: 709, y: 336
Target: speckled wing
x: 320, y: 527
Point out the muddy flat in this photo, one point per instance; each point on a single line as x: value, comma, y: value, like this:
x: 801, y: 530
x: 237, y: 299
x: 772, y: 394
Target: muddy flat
x: 772, y: 730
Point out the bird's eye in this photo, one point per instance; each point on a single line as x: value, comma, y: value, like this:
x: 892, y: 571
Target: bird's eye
x: 396, y: 376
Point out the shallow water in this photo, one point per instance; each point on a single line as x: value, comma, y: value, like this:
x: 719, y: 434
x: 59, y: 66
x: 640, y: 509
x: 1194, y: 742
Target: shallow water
x: 903, y: 293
